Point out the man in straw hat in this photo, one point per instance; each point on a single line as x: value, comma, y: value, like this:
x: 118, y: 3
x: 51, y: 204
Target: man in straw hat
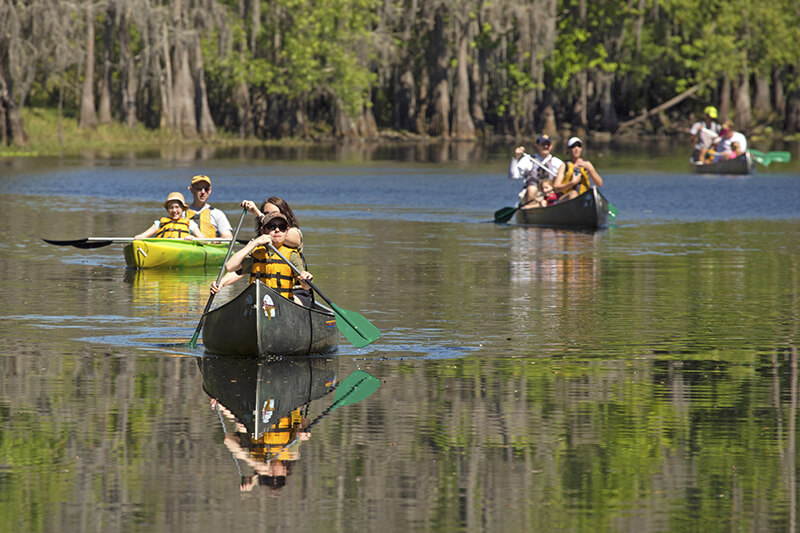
x: 174, y: 225
x: 212, y: 221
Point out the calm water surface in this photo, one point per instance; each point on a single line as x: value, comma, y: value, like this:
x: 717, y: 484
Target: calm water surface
x: 639, y: 378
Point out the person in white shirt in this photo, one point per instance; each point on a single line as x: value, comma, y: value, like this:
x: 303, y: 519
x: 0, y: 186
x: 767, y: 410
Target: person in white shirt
x: 531, y: 169
x: 704, y: 132
x: 212, y: 221
x: 724, y: 143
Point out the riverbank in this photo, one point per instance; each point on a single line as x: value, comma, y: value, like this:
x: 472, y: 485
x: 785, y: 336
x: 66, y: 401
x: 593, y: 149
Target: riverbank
x: 47, y: 137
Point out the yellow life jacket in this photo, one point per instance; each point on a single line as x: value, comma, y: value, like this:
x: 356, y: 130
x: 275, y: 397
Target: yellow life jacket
x: 275, y: 443
x: 203, y: 219
x: 570, y: 173
x: 272, y: 271
x: 173, y: 229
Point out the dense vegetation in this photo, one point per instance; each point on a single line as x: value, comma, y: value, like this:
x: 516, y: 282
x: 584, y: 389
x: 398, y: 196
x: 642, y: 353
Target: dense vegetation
x: 460, y: 69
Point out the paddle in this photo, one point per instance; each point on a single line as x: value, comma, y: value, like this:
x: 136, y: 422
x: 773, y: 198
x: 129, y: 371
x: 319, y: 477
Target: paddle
x: 355, y: 328
x: 503, y: 215
x: 356, y: 387
x: 98, y: 242
x: 770, y: 157
x: 193, y: 342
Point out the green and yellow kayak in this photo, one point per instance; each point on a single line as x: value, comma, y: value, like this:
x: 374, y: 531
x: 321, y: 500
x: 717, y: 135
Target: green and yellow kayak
x: 174, y: 253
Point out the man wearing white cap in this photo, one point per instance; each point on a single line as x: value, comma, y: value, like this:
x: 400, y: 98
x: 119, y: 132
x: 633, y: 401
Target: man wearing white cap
x: 534, y: 168
x: 576, y: 178
x: 212, y: 222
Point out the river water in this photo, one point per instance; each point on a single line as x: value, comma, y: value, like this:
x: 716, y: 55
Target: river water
x: 643, y: 377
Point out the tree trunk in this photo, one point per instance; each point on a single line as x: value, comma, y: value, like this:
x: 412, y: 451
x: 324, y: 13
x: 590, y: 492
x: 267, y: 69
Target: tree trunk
x: 10, y: 119
x: 725, y: 99
x: 477, y: 97
x: 367, y: 127
x: 744, y: 116
x: 608, y: 115
x: 183, y: 91
x: 761, y: 101
x: 462, y: 127
x: 88, y: 115
x: 205, y: 123
x: 104, y: 106
x: 128, y: 72
x: 779, y: 96
x: 439, y: 111
x: 405, y: 102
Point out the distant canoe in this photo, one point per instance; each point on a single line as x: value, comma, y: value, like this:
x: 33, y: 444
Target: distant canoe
x: 741, y: 165
x: 587, y: 211
x: 173, y: 253
x: 259, y: 322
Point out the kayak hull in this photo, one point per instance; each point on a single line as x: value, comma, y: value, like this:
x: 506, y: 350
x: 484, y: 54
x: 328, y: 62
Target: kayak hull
x: 174, y: 253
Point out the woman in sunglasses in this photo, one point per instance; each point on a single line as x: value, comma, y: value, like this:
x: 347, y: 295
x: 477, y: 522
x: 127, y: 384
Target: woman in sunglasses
x: 271, y: 206
x: 267, y: 265
x: 575, y: 180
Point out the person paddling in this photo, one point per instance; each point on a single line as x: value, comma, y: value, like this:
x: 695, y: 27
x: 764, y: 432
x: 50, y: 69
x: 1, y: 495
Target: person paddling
x: 212, y: 221
x: 173, y: 226
x: 575, y: 179
x: 534, y: 168
x: 267, y: 266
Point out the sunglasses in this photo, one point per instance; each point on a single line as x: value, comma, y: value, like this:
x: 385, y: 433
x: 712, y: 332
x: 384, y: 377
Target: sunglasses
x: 544, y: 145
x: 282, y: 226
x: 202, y: 187
x: 576, y: 145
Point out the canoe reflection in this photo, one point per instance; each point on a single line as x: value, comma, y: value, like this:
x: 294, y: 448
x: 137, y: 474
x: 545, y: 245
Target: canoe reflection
x: 262, y: 406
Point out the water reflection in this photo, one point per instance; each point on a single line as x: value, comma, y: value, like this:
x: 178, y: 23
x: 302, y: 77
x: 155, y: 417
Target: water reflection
x: 263, y: 408
x: 172, y: 290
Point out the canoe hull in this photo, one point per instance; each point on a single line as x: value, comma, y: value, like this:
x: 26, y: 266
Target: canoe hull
x: 260, y: 322
x: 739, y: 166
x: 260, y: 391
x: 587, y: 211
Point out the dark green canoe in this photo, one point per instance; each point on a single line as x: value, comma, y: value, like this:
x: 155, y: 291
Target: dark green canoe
x: 741, y: 165
x: 260, y: 391
x: 587, y: 211
x: 260, y: 322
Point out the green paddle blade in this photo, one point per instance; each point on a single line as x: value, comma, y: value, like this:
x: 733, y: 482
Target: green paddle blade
x: 355, y: 328
x: 779, y: 157
x: 770, y: 157
x: 759, y: 157
x: 612, y: 211
x: 503, y: 215
x: 354, y: 388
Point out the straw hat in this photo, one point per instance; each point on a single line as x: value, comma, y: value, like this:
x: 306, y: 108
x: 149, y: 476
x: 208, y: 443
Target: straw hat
x: 175, y: 197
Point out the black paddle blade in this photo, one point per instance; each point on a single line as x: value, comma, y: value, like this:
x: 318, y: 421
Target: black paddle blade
x: 501, y: 216
x: 85, y: 244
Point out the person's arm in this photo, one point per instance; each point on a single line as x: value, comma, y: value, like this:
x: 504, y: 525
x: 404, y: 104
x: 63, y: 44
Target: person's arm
x: 293, y: 238
x: 304, y: 275
x: 149, y: 232
x: 251, y: 208
x: 195, y: 229
x: 516, y: 167
x: 560, y: 184
x: 224, y: 229
x: 593, y: 174
x: 235, y: 262
x: 227, y: 279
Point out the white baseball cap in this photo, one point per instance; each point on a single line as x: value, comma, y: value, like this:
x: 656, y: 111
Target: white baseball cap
x: 573, y: 141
